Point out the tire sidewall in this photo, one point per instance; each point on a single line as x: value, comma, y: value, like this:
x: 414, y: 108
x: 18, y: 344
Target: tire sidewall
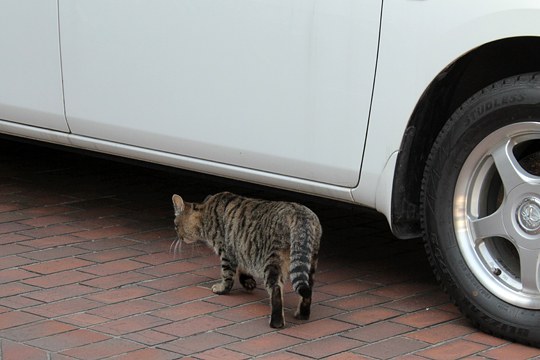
x: 501, y: 105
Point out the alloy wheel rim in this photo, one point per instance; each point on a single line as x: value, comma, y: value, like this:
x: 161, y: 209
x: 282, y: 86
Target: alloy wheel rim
x: 496, y: 213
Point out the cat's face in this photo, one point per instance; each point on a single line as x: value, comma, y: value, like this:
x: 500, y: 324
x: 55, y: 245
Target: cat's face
x: 187, y: 220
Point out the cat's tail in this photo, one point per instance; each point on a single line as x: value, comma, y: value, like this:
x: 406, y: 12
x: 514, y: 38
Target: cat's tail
x: 305, y: 239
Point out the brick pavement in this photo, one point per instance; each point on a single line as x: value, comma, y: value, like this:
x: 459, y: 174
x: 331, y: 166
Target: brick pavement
x: 86, y: 273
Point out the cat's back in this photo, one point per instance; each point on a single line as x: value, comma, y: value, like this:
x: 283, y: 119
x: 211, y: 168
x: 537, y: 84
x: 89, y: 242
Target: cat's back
x: 231, y: 206
x: 241, y: 213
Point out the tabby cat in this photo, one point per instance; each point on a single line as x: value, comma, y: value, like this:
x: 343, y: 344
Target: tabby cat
x: 265, y: 239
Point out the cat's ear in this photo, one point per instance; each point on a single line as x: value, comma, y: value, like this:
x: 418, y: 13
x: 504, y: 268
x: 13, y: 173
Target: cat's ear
x: 178, y: 204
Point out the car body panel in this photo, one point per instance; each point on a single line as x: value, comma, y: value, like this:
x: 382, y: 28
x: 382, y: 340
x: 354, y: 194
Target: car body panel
x: 173, y: 160
x: 30, y: 71
x: 272, y: 92
x: 414, y: 50
x: 267, y: 85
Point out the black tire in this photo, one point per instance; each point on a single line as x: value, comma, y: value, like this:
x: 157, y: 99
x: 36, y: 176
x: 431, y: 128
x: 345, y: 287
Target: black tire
x: 480, y: 208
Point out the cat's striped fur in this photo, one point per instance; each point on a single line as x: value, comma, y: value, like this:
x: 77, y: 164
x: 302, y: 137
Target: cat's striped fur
x: 265, y: 239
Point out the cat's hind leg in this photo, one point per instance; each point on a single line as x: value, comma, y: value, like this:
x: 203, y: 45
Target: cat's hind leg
x: 228, y: 270
x: 247, y: 281
x: 274, y: 286
x: 304, y: 307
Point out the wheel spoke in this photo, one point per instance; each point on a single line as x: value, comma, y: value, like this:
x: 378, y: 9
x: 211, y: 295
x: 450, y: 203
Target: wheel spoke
x: 489, y: 226
x: 510, y: 171
x: 530, y: 270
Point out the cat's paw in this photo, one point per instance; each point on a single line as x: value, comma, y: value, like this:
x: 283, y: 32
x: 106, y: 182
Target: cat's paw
x: 277, y: 323
x: 249, y: 283
x: 302, y: 315
x: 219, y: 289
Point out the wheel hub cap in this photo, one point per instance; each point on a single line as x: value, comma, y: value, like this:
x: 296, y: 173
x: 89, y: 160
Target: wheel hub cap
x: 528, y: 215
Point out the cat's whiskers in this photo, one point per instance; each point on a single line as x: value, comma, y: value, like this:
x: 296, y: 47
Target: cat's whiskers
x: 178, y: 247
x: 175, y: 247
x: 173, y: 244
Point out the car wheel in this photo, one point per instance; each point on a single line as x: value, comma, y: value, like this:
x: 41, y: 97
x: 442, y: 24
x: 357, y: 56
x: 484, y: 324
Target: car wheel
x: 481, y: 208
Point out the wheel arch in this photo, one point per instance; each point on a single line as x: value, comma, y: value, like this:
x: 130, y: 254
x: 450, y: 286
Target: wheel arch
x: 457, y: 82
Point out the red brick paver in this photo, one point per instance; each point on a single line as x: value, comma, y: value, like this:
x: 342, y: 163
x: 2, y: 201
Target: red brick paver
x: 86, y: 273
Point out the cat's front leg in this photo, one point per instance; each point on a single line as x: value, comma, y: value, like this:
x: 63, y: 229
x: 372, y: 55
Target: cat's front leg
x: 228, y: 270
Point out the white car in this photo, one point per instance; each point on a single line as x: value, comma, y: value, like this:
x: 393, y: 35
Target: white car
x: 428, y: 111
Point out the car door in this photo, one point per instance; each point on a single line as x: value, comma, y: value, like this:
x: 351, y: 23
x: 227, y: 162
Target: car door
x: 30, y: 72
x: 281, y: 86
